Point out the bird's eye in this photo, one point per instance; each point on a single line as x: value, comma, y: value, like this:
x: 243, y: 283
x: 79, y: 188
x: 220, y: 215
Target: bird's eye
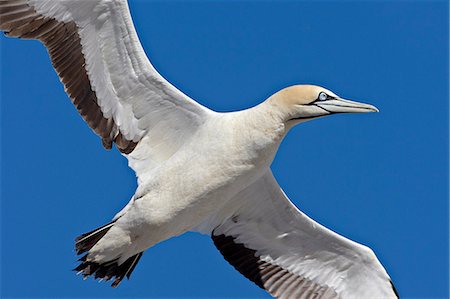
x: 322, y: 96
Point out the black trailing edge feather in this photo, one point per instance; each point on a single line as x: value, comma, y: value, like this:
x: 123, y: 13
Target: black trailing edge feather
x: 279, y: 282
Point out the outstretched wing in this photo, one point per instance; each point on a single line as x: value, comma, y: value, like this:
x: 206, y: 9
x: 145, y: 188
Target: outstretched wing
x: 95, y: 50
x: 269, y: 241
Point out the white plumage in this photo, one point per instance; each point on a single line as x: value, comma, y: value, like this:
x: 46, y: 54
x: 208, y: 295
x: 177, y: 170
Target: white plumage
x: 198, y: 170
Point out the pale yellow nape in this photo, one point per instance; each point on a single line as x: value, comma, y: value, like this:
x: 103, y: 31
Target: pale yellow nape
x: 299, y: 95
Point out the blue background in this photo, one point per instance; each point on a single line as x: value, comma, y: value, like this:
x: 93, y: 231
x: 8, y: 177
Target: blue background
x: 379, y: 179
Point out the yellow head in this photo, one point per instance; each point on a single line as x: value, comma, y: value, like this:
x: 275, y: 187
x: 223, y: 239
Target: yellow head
x: 300, y: 103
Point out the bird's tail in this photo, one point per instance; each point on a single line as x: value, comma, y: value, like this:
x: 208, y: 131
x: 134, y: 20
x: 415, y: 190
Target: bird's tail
x: 103, y: 271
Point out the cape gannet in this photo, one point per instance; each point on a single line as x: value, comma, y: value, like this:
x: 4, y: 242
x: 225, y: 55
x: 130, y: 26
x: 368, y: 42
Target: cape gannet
x: 197, y: 170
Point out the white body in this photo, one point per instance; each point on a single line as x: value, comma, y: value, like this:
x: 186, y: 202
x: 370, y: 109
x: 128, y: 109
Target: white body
x: 229, y: 153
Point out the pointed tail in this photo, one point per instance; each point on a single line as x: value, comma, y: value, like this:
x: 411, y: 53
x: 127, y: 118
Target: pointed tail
x: 103, y: 271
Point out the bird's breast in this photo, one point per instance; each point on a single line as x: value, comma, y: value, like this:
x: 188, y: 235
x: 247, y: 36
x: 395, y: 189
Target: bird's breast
x: 221, y: 160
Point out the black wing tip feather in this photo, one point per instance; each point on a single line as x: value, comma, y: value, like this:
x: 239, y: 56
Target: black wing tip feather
x: 109, y: 270
x: 394, y: 289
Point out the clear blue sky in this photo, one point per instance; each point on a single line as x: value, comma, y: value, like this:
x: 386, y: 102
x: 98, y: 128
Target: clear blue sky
x: 379, y: 179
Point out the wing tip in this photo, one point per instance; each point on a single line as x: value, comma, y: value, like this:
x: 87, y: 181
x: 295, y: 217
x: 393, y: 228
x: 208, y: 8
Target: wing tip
x: 394, y: 289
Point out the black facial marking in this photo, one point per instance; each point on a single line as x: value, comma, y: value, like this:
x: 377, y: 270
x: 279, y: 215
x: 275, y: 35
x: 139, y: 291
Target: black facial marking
x: 313, y: 103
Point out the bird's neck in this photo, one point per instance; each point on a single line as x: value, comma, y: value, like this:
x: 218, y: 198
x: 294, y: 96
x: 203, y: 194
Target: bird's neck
x: 263, y: 118
x: 261, y: 129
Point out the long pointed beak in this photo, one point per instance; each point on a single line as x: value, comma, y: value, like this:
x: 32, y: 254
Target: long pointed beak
x: 345, y: 106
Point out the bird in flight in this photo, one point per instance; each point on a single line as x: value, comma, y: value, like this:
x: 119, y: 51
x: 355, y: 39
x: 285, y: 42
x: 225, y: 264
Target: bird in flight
x: 197, y: 169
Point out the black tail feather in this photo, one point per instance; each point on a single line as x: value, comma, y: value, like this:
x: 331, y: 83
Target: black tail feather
x: 108, y: 270
x: 86, y: 241
x: 103, y: 271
